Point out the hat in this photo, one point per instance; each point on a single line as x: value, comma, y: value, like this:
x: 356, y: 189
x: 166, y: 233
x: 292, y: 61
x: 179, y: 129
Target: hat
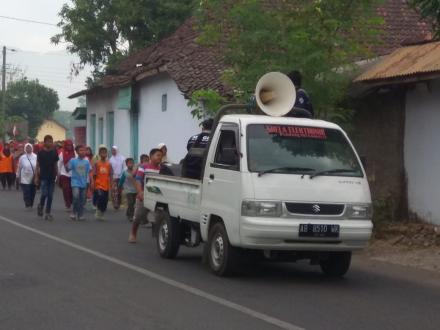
x: 102, y: 146
x: 161, y: 145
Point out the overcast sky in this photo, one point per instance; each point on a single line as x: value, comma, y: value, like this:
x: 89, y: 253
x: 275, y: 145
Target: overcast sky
x: 35, y: 54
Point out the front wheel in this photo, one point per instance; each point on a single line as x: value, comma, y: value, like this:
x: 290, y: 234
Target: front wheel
x: 336, y: 264
x: 222, y: 256
x: 168, y: 237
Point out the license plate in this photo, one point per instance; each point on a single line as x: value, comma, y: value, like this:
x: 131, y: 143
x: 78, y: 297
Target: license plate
x: 312, y: 230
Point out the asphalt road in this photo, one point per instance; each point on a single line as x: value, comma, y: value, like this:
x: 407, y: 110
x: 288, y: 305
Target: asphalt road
x: 84, y: 275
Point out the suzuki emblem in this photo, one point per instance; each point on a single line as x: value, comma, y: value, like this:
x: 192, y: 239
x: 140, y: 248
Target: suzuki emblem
x: 316, y: 208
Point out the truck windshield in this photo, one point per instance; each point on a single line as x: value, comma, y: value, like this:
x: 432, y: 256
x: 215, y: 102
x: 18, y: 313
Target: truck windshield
x: 301, y: 150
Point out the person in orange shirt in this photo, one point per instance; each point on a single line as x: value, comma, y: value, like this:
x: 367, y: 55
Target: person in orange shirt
x: 103, y: 179
x: 7, y: 171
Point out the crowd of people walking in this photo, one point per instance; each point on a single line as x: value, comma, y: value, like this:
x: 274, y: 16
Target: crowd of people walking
x: 81, y: 176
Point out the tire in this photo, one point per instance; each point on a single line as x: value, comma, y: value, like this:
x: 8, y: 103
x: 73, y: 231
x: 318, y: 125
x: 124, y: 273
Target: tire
x: 336, y: 264
x: 168, y: 237
x: 222, y: 256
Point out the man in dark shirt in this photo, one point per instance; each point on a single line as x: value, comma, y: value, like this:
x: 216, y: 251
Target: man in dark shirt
x: 46, y: 173
x: 193, y: 161
x: 302, y: 98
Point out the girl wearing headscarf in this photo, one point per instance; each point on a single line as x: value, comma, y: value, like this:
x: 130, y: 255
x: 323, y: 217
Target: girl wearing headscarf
x: 7, y: 172
x: 64, y: 175
x: 163, y: 147
x: 17, y: 154
x: 27, y: 164
x: 117, y: 161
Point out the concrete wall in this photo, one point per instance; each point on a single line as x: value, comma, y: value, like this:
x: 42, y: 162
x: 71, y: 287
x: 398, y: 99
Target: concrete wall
x: 122, y: 134
x: 173, y: 126
x: 100, y: 103
x: 377, y: 133
x: 422, y: 150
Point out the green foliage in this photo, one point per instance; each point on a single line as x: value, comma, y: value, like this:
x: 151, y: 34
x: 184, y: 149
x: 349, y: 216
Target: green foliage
x: 21, y: 126
x: 205, y: 103
x: 101, y: 32
x: 429, y: 9
x: 322, y: 39
x: 32, y: 101
x: 383, y: 210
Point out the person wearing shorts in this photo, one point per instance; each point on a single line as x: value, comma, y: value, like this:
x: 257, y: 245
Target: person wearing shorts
x: 141, y: 212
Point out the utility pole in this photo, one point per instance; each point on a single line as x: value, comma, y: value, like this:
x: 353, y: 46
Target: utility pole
x: 4, y: 70
x: 3, y: 110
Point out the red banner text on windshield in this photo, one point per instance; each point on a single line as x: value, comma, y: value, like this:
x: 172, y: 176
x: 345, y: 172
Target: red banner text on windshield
x: 296, y: 131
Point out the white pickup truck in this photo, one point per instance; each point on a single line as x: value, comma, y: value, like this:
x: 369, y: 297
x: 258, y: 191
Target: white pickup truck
x: 286, y: 188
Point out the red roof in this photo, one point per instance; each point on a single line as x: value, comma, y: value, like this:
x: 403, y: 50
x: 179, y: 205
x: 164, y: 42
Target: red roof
x: 402, y: 25
x: 194, y: 67
x: 189, y: 64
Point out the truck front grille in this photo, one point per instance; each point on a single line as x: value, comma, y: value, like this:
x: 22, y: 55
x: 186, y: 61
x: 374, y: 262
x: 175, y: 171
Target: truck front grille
x: 315, y: 208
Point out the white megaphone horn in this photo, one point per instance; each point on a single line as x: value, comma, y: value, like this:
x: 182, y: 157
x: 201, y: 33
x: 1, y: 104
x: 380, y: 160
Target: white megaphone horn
x: 275, y: 94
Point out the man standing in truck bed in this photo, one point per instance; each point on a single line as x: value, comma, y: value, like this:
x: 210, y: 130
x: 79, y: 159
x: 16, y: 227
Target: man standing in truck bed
x: 193, y: 161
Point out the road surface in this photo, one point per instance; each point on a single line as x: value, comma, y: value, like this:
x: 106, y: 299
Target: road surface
x: 84, y: 275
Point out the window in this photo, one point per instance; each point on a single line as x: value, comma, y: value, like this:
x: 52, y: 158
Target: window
x: 292, y: 149
x: 101, y: 130
x: 164, y: 102
x: 92, y: 132
x: 226, y: 155
x: 110, y: 129
x: 134, y: 118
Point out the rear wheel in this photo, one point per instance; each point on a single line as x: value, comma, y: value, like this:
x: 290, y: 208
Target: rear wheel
x: 168, y: 236
x: 222, y: 256
x: 336, y: 264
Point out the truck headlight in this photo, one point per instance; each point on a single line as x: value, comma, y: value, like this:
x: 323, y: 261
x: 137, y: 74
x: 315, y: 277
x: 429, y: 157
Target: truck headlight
x: 359, y: 211
x: 261, y: 209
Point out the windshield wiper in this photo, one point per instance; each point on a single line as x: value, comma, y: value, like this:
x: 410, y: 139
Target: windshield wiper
x: 285, y: 168
x: 336, y: 170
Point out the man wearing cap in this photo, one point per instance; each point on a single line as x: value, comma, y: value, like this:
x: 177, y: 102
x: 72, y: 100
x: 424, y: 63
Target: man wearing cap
x: 302, y: 98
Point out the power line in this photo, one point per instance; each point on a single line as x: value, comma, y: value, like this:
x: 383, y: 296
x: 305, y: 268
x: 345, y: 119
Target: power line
x: 27, y: 20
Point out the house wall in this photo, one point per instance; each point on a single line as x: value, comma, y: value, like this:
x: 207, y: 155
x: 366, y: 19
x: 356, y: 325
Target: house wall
x: 50, y: 127
x: 422, y: 150
x: 173, y: 126
x: 99, y: 104
x: 377, y: 133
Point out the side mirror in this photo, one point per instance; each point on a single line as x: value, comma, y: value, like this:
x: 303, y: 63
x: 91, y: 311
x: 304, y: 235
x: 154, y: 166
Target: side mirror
x: 364, y: 161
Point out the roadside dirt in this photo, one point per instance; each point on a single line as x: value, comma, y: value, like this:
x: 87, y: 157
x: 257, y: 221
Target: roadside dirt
x: 412, y: 244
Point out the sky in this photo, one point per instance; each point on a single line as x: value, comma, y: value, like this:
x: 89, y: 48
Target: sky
x: 34, y: 53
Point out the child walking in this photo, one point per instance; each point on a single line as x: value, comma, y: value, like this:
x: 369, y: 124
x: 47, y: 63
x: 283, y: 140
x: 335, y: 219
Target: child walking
x: 81, y: 173
x: 141, y: 212
x: 103, y: 179
x: 127, y: 183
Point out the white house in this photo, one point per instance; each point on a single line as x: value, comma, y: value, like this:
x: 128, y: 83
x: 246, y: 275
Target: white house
x: 159, y: 115
x: 415, y: 70
x: 145, y: 102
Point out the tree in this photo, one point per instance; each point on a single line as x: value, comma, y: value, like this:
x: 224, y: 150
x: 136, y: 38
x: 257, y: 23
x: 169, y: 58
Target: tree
x: 31, y: 101
x: 322, y: 39
x: 101, y: 32
x: 429, y: 9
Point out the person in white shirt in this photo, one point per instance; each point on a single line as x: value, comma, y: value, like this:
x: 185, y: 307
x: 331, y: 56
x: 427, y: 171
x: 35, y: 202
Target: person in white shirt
x: 117, y: 162
x: 27, y: 164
